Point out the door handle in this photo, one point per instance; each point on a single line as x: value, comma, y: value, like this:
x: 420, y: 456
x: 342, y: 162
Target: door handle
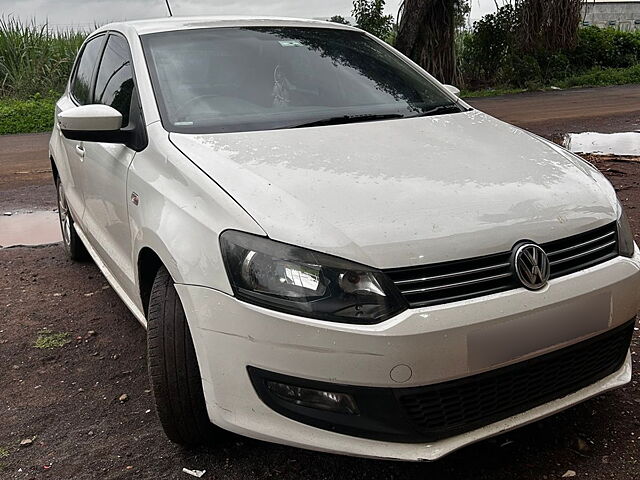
x: 80, y: 150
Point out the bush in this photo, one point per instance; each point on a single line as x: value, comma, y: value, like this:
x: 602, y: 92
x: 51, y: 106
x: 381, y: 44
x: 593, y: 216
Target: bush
x: 606, y: 48
x: 485, y: 49
x: 489, y: 56
x: 601, y: 77
x: 26, y: 116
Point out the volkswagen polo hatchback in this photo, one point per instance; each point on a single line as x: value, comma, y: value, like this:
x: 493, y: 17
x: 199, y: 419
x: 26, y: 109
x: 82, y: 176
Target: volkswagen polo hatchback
x: 328, y: 248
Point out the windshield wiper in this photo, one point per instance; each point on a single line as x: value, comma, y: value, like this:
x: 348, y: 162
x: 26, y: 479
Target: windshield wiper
x: 440, y: 110
x: 349, y: 119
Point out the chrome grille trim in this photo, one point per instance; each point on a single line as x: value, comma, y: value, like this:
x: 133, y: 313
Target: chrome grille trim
x: 474, y: 277
x: 453, y: 275
x: 583, y: 244
x: 458, y: 284
x: 583, y: 254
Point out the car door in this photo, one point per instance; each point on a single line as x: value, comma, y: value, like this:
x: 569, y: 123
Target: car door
x: 104, y: 179
x: 79, y: 93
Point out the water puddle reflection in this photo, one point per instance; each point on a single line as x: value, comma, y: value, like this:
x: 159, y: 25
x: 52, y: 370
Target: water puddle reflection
x: 36, y: 228
x: 624, y: 143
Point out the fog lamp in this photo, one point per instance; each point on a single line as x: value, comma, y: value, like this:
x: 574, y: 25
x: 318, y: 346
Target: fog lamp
x: 308, y: 397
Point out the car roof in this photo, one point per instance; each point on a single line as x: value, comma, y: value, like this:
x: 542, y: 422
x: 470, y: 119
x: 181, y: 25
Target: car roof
x: 155, y: 25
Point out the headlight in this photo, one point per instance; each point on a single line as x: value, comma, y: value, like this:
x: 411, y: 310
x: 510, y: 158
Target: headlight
x: 625, y: 234
x: 303, y: 282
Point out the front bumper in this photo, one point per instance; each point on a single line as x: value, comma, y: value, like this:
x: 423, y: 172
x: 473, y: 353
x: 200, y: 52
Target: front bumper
x: 418, y: 347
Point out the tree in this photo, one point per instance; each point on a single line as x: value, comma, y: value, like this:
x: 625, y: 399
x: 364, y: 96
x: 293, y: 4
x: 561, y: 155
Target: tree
x: 369, y: 15
x: 339, y: 19
x: 548, y: 25
x: 426, y: 34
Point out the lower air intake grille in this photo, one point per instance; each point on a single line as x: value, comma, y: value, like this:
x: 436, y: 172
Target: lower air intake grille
x: 446, y: 409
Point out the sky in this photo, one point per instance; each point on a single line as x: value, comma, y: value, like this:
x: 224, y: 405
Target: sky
x: 86, y: 13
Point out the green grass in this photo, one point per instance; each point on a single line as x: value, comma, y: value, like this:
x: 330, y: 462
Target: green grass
x: 490, y: 92
x: 26, y: 116
x: 597, y: 77
x: 47, y: 339
x: 4, y: 452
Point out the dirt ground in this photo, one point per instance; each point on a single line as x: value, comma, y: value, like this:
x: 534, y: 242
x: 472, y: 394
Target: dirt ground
x: 66, y: 399
x: 552, y: 114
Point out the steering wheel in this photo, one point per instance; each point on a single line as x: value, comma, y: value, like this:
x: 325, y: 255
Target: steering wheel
x: 182, y: 108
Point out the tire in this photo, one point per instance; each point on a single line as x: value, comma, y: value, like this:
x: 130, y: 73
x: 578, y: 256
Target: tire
x: 173, y: 367
x: 71, y: 241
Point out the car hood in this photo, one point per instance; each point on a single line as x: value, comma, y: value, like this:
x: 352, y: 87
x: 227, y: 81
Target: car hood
x: 406, y: 192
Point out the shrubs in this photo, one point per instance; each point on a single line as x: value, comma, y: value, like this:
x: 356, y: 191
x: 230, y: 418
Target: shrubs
x: 597, y: 77
x: 26, y: 116
x: 489, y: 56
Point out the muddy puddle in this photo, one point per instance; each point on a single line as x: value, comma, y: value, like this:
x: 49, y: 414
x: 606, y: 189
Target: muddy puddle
x: 623, y: 143
x: 29, y: 228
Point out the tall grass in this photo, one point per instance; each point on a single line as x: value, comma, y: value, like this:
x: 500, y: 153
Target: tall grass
x: 35, y: 59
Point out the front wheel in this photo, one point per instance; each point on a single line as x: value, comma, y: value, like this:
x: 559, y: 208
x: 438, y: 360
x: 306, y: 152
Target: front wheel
x: 72, y: 243
x: 173, y: 367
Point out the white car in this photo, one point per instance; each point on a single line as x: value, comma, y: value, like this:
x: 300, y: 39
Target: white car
x: 330, y: 249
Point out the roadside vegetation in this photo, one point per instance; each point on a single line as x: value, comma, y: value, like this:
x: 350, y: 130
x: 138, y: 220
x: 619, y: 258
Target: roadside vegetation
x: 492, y: 56
x: 524, y: 45
x: 35, y: 63
x: 32, y: 115
x: 501, y: 53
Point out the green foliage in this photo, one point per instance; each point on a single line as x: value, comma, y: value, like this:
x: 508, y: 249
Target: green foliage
x: 339, y: 19
x: 26, y: 116
x: 597, y: 77
x: 485, y: 49
x: 4, y: 452
x: 606, y: 48
x: 47, y: 339
x: 490, y: 55
x: 369, y: 15
x: 34, y: 59
x: 462, y: 9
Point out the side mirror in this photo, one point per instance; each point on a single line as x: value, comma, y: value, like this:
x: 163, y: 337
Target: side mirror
x: 93, y: 123
x: 452, y: 89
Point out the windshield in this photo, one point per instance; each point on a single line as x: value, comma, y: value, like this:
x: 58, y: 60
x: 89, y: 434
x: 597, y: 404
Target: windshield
x: 260, y: 78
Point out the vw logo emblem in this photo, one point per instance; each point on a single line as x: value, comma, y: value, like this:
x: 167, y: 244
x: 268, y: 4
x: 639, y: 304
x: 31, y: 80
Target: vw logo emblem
x: 532, y: 266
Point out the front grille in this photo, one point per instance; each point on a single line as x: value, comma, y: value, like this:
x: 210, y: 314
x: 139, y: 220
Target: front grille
x: 462, y: 279
x: 446, y: 409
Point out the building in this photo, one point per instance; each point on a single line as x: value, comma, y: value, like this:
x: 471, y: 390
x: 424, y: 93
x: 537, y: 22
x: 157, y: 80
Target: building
x: 620, y: 14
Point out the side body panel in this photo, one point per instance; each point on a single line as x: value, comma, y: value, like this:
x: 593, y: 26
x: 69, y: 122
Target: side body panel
x: 106, y: 218
x: 68, y: 161
x: 181, y: 213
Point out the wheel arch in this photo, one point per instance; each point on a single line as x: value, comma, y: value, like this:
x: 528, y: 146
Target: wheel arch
x: 148, y: 264
x: 54, y: 168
